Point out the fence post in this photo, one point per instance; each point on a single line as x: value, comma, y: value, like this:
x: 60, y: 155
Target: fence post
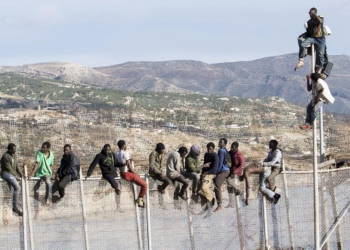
x: 28, y: 209
x: 137, y: 213
x: 239, y: 222
x: 315, y: 169
x: 149, y: 231
x: 266, y: 237
x: 24, y: 218
x: 83, y: 210
x: 190, y: 223
x: 286, y: 194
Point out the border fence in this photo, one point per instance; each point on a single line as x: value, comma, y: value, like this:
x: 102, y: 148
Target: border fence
x: 92, y: 216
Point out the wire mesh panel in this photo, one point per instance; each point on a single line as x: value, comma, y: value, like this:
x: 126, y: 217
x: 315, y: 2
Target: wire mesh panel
x: 11, y: 227
x: 111, y: 219
x: 60, y: 225
x: 169, y: 219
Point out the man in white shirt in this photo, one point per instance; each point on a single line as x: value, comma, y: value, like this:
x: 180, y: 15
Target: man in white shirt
x: 128, y: 173
x: 323, y: 95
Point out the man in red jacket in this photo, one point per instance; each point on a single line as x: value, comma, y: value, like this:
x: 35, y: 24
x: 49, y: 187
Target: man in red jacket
x: 235, y: 172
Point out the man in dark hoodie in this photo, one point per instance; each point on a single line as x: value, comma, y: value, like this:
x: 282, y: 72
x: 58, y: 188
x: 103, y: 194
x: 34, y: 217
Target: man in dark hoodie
x: 107, y: 162
x: 67, y: 172
x: 10, y: 170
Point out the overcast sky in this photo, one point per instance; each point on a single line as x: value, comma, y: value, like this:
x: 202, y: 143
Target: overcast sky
x: 107, y: 32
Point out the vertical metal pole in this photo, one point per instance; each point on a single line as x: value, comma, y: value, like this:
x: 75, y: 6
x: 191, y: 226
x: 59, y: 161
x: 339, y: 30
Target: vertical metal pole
x: 286, y: 194
x: 83, y: 210
x: 137, y: 214
x: 315, y: 172
x: 24, y: 218
x: 265, y: 224
x: 239, y: 223
x: 190, y: 223
x: 149, y: 231
x: 321, y: 136
x: 29, y: 211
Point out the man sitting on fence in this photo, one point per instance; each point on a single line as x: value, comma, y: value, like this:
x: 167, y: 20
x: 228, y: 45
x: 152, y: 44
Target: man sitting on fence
x: 43, y: 162
x: 274, y: 158
x: 155, y: 167
x: 107, y: 162
x: 192, y: 168
x: 128, y: 173
x: 235, y: 172
x: 275, y: 153
x: 323, y: 95
x: 9, y: 170
x: 210, y: 169
x: 68, y: 171
x: 174, y: 167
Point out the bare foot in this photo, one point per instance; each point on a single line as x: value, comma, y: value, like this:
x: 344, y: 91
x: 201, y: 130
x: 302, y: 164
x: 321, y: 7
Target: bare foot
x: 47, y: 203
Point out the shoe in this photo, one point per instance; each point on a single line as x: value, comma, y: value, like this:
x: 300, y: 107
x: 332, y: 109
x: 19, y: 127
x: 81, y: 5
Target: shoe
x: 238, y: 193
x: 118, y: 191
x: 160, y: 189
x: 323, y: 76
x: 305, y: 127
x: 299, y: 65
x: 17, y: 211
x: 184, y: 197
x: 218, y: 208
x: 140, y: 202
x: 276, y: 197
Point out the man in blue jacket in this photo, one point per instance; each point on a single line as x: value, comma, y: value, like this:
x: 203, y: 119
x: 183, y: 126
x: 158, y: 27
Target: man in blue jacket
x: 223, y: 173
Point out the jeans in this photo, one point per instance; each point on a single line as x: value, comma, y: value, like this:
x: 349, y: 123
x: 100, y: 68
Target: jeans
x: 312, y: 112
x: 320, y: 46
x: 218, y: 181
x: 12, y: 182
x: 195, y: 180
x: 134, y: 178
x: 60, y: 185
x: 271, y: 179
x: 47, y: 179
x: 166, y: 181
x: 262, y: 182
x: 185, y: 183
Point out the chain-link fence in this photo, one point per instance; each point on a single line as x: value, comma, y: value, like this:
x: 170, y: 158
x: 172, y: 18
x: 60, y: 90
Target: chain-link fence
x: 92, y: 216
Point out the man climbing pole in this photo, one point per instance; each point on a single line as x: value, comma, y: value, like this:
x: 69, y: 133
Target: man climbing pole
x: 314, y: 35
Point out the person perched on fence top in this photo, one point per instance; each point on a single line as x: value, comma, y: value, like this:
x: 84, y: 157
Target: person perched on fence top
x: 224, y: 172
x: 10, y: 170
x: 274, y: 158
x: 236, y: 171
x: 174, y: 165
x: 192, y: 167
x: 68, y: 171
x: 314, y: 35
x: 44, y: 160
x: 128, y: 172
x: 210, y: 169
x: 107, y: 162
x: 276, y: 169
x: 155, y: 167
x: 323, y: 95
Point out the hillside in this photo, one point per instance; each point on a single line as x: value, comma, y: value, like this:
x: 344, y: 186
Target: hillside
x: 271, y: 76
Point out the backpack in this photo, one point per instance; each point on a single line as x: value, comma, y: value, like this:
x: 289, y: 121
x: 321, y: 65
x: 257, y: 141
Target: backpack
x: 228, y: 159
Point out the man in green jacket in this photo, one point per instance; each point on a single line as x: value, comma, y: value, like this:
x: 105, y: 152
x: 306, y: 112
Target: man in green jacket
x: 192, y: 168
x: 155, y: 167
x: 9, y: 170
x: 43, y: 162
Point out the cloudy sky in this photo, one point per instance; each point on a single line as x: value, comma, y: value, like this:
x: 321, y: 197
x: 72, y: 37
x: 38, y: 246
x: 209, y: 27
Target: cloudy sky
x: 106, y: 32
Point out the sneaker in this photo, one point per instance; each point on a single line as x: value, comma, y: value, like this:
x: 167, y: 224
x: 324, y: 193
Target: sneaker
x: 160, y: 189
x: 323, y: 76
x: 17, y: 211
x: 238, y: 193
x: 299, y: 65
x: 118, y: 191
x: 140, y: 202
x: 276, y: 197
x: 305, y: 127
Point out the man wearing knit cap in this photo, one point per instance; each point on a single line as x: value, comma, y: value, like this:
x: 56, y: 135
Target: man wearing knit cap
x: 155, y: 167
x: 192, y: 168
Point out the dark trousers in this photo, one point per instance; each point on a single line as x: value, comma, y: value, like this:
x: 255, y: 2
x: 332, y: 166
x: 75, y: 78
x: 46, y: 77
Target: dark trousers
x: 271, y: 179
x: 110, y: 178
x: 61, y: 185
x: 218, y: 181
x: 185, y: 183
x: 166, y: 181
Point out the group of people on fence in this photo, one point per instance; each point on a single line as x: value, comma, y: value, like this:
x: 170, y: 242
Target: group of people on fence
x: 182, y: 167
